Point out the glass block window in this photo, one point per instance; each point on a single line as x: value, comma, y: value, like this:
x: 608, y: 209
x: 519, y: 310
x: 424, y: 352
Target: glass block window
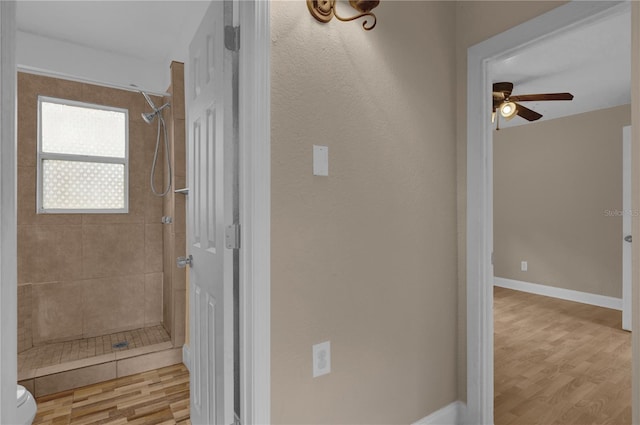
x: 83, y: 159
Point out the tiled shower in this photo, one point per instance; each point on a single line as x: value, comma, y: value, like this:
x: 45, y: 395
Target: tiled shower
x: 99, y: 295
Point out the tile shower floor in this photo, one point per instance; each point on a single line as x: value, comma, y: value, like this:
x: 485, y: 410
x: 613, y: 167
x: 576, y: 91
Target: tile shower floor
x: 137, y: 341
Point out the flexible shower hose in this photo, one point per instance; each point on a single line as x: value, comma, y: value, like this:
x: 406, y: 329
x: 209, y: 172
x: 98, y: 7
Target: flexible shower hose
x: 155, y: 158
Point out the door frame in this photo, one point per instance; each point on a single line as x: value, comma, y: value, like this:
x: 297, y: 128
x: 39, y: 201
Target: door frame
x: 8, y: 214
x: 627, y: 248
x: 254, y: 107
x: 255, y: 208
x: 480, y: 391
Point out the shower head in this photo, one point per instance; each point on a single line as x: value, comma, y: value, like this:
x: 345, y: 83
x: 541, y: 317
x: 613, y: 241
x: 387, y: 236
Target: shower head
x: 149, y: 116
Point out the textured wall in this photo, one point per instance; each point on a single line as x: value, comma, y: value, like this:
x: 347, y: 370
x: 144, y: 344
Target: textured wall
x: 553, y: 183
x: 477, y: 21
x: 87, y: 274
x: 364, y: 258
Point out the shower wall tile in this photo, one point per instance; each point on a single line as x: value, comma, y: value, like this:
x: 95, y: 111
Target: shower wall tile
x: 153, y: 299
x: 57, y: 311
x: 48, y: 86
x: 177, y: 85
x: 167, y: 303
x: 170, y: 123
x: 153, y: 205
x: 180, y: 207
x: 176, y: 299
x: 101, y: 258
x: 167, y: 202
x: 27, y: 195
x: 49, y: 253
x: 25, y: 339
x: 112, y: 250
x: 180, y: 148
x: 138, y: 200
x: 179, y: 306
x: 179, y: 276
x: 168, y: 251
x: 153, y: 248
x: 27, y: 132
x: 113, y: 304
x: 169, y: 264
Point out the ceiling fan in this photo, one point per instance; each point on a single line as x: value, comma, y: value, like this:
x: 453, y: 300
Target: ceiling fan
x: 508, y: 107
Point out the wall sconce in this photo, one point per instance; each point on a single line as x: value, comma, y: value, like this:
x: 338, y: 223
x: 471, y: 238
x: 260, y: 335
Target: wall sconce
x: 324, y: 10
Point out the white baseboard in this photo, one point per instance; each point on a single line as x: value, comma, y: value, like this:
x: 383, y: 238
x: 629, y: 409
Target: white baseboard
x: 563, y: 294
x: 186, y: 356
x: 450, y: 414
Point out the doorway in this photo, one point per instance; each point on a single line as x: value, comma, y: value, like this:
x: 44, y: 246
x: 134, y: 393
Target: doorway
x: 480, y: 272
x: 254, y: 214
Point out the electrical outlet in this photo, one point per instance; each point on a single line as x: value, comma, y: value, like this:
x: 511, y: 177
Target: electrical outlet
x: 321, y: 359
x: 524, y: 266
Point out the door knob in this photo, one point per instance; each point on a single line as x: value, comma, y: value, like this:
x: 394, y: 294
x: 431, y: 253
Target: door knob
x: 627, y: 238
x: 182, y: 262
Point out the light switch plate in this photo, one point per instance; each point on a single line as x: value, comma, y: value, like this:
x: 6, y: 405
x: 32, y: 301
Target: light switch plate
x: 320, y: 160
x: 524, y: 266
x: 321, y: 359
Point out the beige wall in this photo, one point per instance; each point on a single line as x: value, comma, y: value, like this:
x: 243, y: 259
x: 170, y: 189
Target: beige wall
x: 477, y: 21
x: 82, y: 275
x: 364, y: 258
x: 554, y: 182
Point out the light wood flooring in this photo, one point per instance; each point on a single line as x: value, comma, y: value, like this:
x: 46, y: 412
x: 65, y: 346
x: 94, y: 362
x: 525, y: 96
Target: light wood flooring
x: 559, y: 362
x: 156, y: 397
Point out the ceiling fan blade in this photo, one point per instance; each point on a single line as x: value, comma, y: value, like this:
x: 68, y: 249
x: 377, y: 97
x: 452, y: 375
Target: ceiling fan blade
x: 503, y: 87
x: 527, y: 113
x: 541, y: 96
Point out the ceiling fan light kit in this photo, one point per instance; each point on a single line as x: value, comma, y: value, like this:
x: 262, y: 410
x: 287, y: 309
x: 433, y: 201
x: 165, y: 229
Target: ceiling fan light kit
x: 508, y: 110
x: 325, y: 10
x: 509, y: 107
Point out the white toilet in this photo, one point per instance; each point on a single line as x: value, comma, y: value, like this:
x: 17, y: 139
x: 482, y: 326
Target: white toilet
x: 26, y: 406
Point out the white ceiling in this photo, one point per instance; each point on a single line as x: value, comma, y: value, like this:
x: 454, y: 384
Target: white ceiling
x: 150, y: 32
x: 591, y: 62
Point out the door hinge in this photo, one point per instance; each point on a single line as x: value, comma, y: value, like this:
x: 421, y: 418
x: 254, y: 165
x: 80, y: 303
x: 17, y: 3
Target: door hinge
x: 232, y: 38
x: 492, y: 258
x: 232, y: 237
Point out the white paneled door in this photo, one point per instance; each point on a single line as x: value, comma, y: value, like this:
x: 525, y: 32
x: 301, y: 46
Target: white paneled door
x: 210, y: 211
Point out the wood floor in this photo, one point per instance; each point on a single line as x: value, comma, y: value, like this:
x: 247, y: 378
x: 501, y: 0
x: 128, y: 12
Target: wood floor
x: 559, y: 362
x: 156, y: 397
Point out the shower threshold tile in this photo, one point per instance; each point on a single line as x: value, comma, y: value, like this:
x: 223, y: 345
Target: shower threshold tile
x: 75, y: 364
x: 67, y: 355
